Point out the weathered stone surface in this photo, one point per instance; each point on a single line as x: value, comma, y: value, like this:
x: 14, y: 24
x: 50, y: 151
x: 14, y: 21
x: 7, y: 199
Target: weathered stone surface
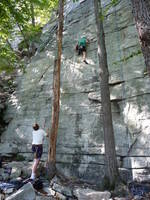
x: 9, y: 190
x: 3, y: 175
x: 8, y: 148
x: 22, y: 168
x: 26, y: 169
x: 16, y: 168
x: 125, y: 174
x: 60, y: 196
x: 62, y: 189
x: 24, y: 193
x: 44, y: 198
x: 88, y: 194
x: 55, y: 180
x: 49, y: 191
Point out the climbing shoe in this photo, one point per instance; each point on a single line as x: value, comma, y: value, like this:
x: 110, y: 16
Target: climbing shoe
x: 85, y: 61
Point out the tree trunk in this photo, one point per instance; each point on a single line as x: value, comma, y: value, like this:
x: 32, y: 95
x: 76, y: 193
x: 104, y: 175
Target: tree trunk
x: 110, y: 153
x: 56, y: 93
x: 24, y: 37
x: 32, y: 48
x: 32, y: 14
x: 141, y: 13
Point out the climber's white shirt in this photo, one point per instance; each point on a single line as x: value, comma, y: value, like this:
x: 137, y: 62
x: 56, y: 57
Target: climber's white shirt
x: 38, y: 136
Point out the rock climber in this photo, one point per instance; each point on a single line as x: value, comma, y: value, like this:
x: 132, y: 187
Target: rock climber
x: 37, y: 147
x: 81, y: 47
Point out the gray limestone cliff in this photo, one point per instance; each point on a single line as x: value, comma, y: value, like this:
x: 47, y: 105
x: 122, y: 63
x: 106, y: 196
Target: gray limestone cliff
x: 80, y: 144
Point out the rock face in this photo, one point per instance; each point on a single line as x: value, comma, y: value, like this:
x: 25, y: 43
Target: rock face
x: 88, y: 194
x: 80, y: 144
x: 25, y: 193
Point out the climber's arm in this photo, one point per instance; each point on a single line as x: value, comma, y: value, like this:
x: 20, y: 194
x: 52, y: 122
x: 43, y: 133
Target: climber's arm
x: 87, y: 41
x: 47, y: 132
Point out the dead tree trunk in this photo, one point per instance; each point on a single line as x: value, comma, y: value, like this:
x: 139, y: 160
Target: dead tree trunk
x: 56, y: 97
x: 110, y: 153
x: 141, y: 13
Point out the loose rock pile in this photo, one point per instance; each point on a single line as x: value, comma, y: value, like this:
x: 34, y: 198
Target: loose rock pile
x: 17, y: 187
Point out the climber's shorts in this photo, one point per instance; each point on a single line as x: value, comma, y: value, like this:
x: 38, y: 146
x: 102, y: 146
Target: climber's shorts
x: 37, y: 150
x: 81, y: 50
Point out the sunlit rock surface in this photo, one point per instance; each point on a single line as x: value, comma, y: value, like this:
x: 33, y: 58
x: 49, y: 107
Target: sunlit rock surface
x: 80, y: 144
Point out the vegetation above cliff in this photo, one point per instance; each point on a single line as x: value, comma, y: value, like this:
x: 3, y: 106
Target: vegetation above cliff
x: 23, y: 19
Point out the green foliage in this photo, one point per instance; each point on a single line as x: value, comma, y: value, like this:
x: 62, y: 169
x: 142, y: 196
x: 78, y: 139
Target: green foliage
x: 128, y: 57
x: 19, y: 158
x: 105, y: 11
x: 112, y: 4
x: 16, y: 14
x: 32, y: 34
x: 44, y: 11
x: 7, y: 58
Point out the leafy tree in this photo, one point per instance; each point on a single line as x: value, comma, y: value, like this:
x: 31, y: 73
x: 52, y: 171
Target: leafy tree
x: 28, y: 16
x: 7, y: 58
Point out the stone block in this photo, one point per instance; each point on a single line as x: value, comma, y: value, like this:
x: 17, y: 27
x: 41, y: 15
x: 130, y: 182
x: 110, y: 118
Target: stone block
x: 88, y: 194
x: 62, y: 189
x: 8, y: 148
x: 44, y: 198
x: 60, y: 196
x: 80, y: 125
x: 125, y: 174
x: 25, y: 193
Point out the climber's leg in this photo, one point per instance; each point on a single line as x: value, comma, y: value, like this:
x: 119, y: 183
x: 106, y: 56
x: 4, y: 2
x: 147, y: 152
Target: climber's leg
x: 37, y: 150
x: 34, y: 168
x: 84, y: 56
